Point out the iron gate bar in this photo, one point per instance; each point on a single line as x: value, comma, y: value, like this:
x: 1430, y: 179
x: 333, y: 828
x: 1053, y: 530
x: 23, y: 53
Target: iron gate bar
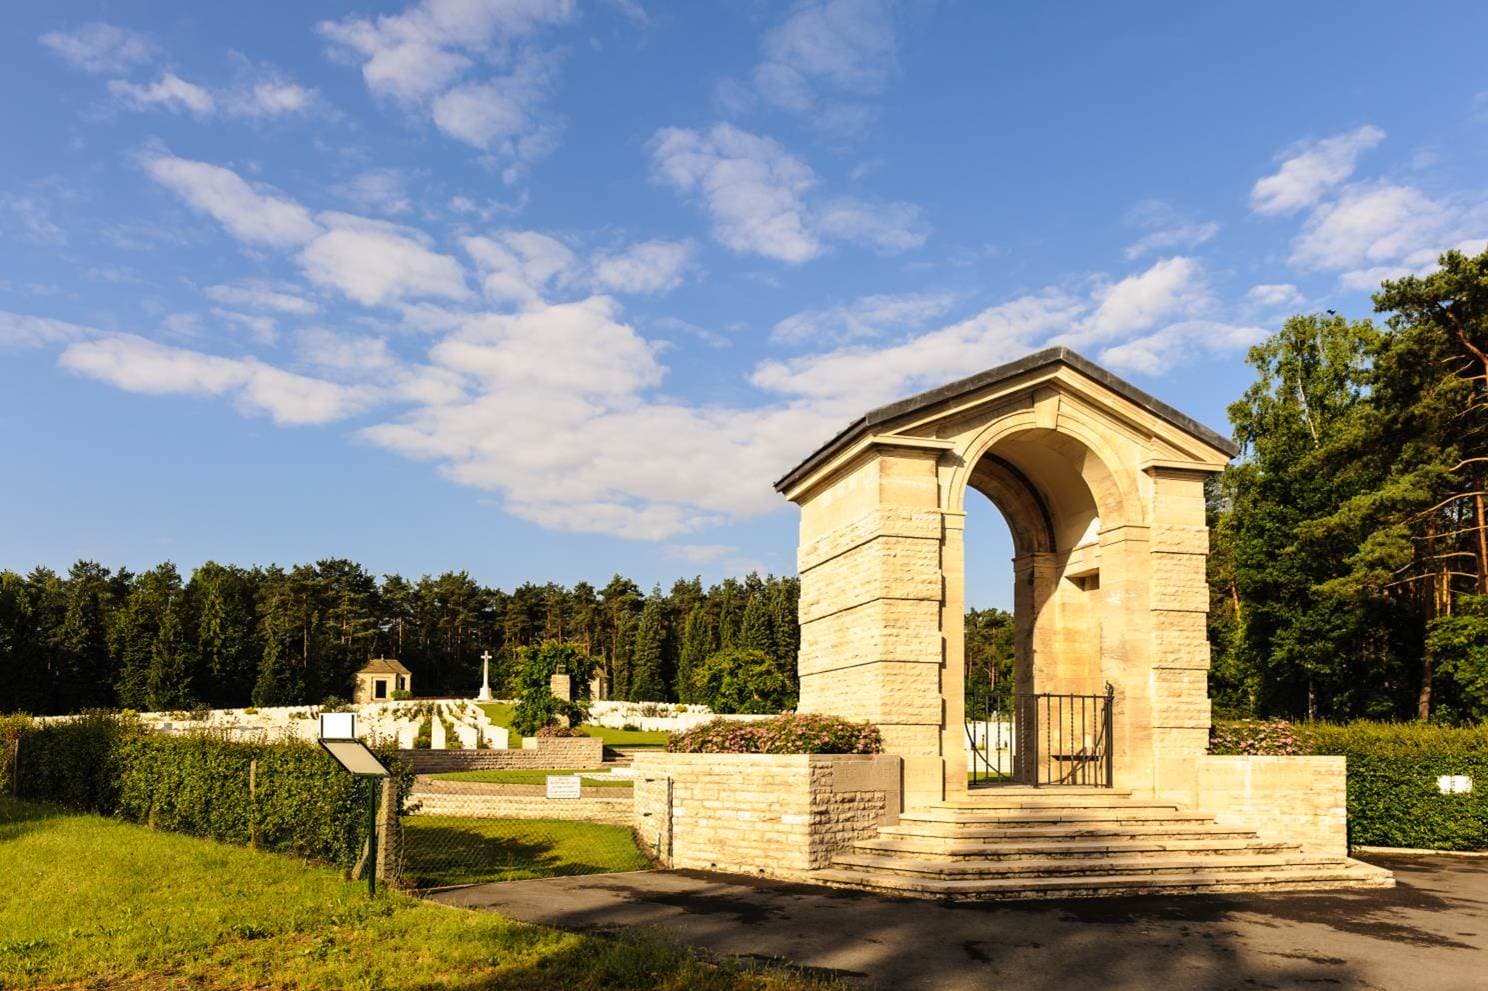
x: 1084, y: 739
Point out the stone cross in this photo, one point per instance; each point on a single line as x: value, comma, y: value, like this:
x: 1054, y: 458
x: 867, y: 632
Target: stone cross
x: 484, y: 695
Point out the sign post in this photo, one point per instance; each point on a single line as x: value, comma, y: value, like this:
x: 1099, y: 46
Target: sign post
x: 338, y: 738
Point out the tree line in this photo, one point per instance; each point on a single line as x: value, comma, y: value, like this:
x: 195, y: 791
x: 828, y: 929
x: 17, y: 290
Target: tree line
x: 1349, y: 558
x: 232, y: 636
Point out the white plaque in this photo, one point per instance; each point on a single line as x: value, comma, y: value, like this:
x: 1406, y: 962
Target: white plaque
x: 338, y: 726
x: 1447, y: 784
x: 563, y: 786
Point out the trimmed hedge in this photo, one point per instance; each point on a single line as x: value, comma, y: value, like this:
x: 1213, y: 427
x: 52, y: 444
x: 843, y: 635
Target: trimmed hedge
x: 301, y: 801
x: 1393, y: 798
x: 792, y: 733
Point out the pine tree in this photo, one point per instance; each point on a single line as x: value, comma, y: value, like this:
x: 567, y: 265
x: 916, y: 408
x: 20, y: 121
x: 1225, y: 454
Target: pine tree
x: 697, y: 645
x: 648, y: 679
x: 754, y: 627
x: 84, y: 666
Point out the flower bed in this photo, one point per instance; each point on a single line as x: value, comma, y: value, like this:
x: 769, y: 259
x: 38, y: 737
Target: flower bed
x: 791, y: 733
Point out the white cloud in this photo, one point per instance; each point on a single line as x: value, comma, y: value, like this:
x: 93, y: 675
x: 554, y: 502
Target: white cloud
x: 823, y: 58
x: 1275, y: 294
x: 1176, y: 344
x: 1166, y: 228
x: 136, y: 364
x: 644, y: 268
x: 888, y: 228
x: 865, y: 317
x: 1171, y: 286
x: 270, y: 97
x: 751, y: 187
x: 1310, y: 170
x: 504, y: 114
x: 249, y: 214
x: 520, y: 266
x: 373, y: 262
x: 419, y: 57
x: 1368, y: 224
x: 34, y: 220
x: 754, y: 192
x: 259, y: 295
x: 856, y: 378
x: 698, y: 554
x: 22, y: 330
x: 264, y: 329
x: 100, y: 47
x: 382, y: 190
x: 169, y: 92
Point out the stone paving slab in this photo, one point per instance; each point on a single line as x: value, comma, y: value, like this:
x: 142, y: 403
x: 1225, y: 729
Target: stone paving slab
x: 1428, y: 933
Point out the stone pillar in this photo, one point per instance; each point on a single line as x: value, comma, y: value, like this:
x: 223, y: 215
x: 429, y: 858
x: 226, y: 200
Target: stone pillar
x: 1179, y: 662
x: 561, y: 686
x: 389, y: 834
x: 953, y: 647
x: 871, y: 606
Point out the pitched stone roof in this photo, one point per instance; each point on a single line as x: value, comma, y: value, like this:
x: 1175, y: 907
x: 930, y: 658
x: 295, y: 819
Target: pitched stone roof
x: 384, y: 665
x: 992, y: 376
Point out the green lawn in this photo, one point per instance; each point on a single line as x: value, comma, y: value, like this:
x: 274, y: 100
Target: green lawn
x: 627, y: 737
x: 440, y: 850
x: 89, y: 902
x: 530, y: 777
x: 500, y: 713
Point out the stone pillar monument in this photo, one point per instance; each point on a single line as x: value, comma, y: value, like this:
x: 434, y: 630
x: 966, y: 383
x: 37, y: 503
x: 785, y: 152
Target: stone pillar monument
x: 484, y: 695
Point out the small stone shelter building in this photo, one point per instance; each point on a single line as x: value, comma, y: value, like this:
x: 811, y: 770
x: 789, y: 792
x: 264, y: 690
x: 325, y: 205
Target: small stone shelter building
x: 380, y: 679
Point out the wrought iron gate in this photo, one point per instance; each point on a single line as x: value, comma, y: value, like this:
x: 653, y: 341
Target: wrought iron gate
x: 1041, y: 738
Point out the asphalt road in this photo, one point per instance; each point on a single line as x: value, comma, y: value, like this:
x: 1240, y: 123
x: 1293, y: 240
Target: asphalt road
x: 1429, y: 932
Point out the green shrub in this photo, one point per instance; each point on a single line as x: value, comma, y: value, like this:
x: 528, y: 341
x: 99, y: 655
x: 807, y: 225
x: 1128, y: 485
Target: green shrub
x: 536, y: 705
x: 301, y: 802
x: 76, y: 763
x: 791, y: 733
x: 13, y: 729
x: 745, y: 681
x: 555, y: 732
x: 1393, y: 798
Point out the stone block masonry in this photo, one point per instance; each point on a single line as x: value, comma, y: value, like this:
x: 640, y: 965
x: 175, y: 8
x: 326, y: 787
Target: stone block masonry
x: 550, y: 754
x: 764, y: 814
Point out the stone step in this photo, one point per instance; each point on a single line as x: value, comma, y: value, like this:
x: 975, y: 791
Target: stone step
x: 1045, y: 802
x: 1341, y: 873
x: 959, y: 849
x: 957, y: 819
x: 1057, y: 867
x: 1069, y: 831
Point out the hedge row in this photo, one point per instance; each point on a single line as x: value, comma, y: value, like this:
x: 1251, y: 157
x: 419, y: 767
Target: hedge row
x: 1393, y: 797
x: 300, y: 801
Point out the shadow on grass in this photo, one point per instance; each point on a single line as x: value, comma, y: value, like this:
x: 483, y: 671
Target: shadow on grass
x: 17, y: 818
x: 450, y: 851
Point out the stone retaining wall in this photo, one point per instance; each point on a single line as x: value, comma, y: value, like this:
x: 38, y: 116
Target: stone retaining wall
x: 777, y: 815
x: 616, y: 811
x: 550, y: 754
x: 1285, y: 799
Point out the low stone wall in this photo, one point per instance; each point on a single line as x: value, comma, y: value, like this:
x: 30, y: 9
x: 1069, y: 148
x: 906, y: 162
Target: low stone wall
x: 550, y: 754
x: 615, y: 810
x: 777, y: 815
x: 1285, y: 799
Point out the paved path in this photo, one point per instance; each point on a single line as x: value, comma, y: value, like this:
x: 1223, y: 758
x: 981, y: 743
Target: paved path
x: 1429, y: 932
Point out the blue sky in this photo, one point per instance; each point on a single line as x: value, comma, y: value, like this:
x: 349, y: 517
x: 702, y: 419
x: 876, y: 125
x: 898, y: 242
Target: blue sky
x: 546, y: 290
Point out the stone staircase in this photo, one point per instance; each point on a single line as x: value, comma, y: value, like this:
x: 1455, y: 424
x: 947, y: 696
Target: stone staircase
x: 1009, y: 842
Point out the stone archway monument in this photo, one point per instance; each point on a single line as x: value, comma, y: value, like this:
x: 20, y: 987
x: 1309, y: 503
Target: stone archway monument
x: 1102, y: 487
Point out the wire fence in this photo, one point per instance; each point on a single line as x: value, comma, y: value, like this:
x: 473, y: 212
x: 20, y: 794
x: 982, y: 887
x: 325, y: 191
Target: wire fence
x: 477, y: 827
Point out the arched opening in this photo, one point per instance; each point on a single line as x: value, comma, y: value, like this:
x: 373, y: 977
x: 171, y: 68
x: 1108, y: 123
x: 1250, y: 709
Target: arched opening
x: 1035, y: 695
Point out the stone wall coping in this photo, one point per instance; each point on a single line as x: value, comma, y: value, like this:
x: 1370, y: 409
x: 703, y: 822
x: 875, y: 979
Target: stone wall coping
x: 778, y: 760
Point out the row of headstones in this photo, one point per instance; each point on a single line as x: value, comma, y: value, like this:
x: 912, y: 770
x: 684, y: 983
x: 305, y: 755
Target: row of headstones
x: 470, y: 727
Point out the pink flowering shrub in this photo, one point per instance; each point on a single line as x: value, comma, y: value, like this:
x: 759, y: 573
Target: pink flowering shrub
x: 1253, y: 737
x: 791, y: 733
